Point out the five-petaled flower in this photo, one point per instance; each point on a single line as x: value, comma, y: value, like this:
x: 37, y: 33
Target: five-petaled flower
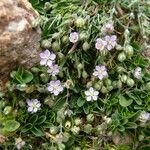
x: 33, y: 105
x: 91, y: 94
x: 74, y: 37
x: 47, y: 58
x: 137, y: 73
x: 100, y: 44
x: 111, y: 41
x: 53, y: 70
x: 55, y: 87
x: 100, y: 72
x: 144, y: 116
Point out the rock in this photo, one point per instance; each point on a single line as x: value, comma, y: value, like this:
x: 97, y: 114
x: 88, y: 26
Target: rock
x: 19, y: 42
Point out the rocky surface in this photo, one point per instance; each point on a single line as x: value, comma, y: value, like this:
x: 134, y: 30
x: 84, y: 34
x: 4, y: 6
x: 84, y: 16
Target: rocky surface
x: 19, y: 42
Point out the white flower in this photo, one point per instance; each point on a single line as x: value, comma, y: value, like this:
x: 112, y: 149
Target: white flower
x: 100, y: 44
x: 91, y: 94
x: 55, y: 87
x: 53, y: 70
x: 47, y: 58
x: 19, y: 143
x: 144, y: 116
x: 137, y: 73
x: 111, y: 41
x: 100, y: 72
x: 74, y: 37
x: 33, y: 105
x: 108, y: 27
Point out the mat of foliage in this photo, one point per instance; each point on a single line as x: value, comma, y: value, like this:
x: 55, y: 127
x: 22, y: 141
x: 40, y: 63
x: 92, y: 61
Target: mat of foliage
x: 91, y: 88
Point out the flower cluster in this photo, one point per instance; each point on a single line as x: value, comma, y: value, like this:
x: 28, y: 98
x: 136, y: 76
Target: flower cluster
x: 109, y: 41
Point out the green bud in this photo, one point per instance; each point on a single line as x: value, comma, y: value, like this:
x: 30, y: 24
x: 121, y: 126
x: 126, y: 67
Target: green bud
x: 68, y: 124
x: 36, y: 23
x: 61, y: 146
x: 89, y: 84
x: 29, y: 89
x: 114, y: 84
x: 97, y: 86
x: 77, y: 148
x: 75, y: 130
x: 120, y: 69
x: 61, y: 74
x: 129, y: 50
x: 108, y: 82
x: 90, y: 118
x: 141, y: 137
x: 84, y: 74
x: 78, y: 121
x: 86, y: 46
x: 130, y: 82
x: 80, y: 22
x: 124, y: 78
x: 80, y: 66
x: 21, y: 87
x: 122, y: 57
x: 47, y: 6
x: 98, y: 129
x: 7, y: 110
x: 44, y: 77
x: 110, y: 88
x: 61, y: 55
x: 46, y: 43
x: 2, y: 104
x: 56, y: 36
x: 55, y: 46
x: 88, y: 128
x: 119, y: 84
x: 22, y: 103
x: 147, y: 87
x: 66, y: 136
x: 83, y: 36
x: 119, y: 47
x: 104, y: 90
x: 65, y: 39
x: 35, y: 69
x: 54, y: 130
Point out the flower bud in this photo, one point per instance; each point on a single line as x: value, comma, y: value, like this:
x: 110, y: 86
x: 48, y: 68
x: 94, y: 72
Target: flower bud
x: 47, y: 6
x: 110, y: 88
x: 75, y: 130
x: 87, y: 128
x: 141, y: 137
x: 129, y: 50
x: 97, y: 86
x: 7, y: 110
x: 78, y: 121
x: 22, y: 104
x: 98, y: 129
x: 114, y: 84
x: 119, y: 84
x: 119, y: 47
x: 56, y: 35
x: 124, y: 78
x: 90, y: 118
x: 46, y: 43
x: 35, y: 69
x: 36, y: 23
x: 80, y: 66
x: 104, y: 90
x: 65, y: 39
x: 29, y: 89
x: 21, y: 87
x: 55, y: 46
x: 130, y: 82
x: 122, y: 57
x: 61, y: 146
x: 80, y: 22
x: 2, y: 104
x: 60, y: 74
x: 61, y: 55
x: 68, y: 124
x: 89, y: 84
x: 83, y: 36
x: 108, y: 82
x: 66, y: 136
x: 53, y: 130
x: 86, y: 46
x: 68, y: 84
x: 147, y: 87
x: 120, y: 69
x: 84, y: 74
x: 44, y: 77
x: 77, y: 148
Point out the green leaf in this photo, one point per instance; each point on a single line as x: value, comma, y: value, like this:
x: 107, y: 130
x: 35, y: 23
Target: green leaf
x: 33, y: 118
x: 124, y: 102
x: 41, y: 119
x: 131, y: 125
x: 80, y: 102
x: 86, y: 109
x: 26, y: 128
x: 27, y: 76
x: 121, y: 128
x: 37, y: 131
x: 11, y: 125
x: 58, y: 105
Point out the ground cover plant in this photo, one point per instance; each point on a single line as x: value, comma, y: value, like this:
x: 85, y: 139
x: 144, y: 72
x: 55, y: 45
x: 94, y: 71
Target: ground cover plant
x: 91, y: 88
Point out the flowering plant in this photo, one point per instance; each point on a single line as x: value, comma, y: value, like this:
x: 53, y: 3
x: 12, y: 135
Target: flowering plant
x: 91, y: 87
